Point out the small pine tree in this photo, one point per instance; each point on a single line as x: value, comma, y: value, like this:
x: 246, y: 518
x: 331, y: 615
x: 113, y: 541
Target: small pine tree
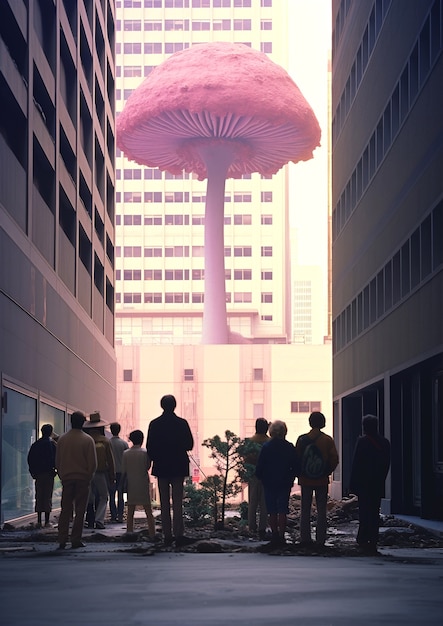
x: 228, y: 454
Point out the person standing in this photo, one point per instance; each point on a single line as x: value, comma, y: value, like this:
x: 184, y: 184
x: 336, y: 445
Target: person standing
x: 318, y: 458
x: 256, y: 494
x: 168, y: 442
x: 118, y: 446
x: 135, y: 466
x: 76, y: 462
x: 41, y: 463
x: 277, y: 468
x: 105, y: 473
x: 370, y: 466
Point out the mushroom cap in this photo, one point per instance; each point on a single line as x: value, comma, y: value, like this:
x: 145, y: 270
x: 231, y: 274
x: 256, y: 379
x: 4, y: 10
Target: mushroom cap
x: 212, y: 93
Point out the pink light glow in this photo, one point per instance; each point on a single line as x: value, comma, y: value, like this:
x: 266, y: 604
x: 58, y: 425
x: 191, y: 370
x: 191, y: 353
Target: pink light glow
x: 219, y: 110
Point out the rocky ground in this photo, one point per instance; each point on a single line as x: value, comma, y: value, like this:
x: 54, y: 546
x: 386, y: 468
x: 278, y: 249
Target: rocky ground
x: 235, y: 537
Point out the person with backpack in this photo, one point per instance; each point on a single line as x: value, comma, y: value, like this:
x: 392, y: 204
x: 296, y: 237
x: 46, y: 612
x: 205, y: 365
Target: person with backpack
x: 370, y: 466
x: 318, y: 458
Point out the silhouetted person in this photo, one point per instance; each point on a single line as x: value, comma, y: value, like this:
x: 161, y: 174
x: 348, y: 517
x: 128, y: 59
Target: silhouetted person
x: 318, y: 458
x: 105, y: 472
x: 41, y: 462
x: 256, y: 494
x: 118, y: 446
x: 370, y: 466
x: 277, y: 468
x: 169, y: 439
x: 135, y: 466
x: 76, y: 462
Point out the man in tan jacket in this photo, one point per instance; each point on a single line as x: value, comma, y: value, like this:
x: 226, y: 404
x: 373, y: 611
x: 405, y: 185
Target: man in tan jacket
x: 318, y: 458
x: 76, y: 462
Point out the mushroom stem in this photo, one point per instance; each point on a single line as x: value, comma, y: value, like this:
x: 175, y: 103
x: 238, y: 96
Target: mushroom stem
x: 217, y: 158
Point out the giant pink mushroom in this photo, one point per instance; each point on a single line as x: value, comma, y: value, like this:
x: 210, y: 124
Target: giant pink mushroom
x: 219, y: 110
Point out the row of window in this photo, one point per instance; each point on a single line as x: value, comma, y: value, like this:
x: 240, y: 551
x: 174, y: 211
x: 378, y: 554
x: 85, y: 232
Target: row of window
x: 186, y: 220
x: 305, y: 407
x: 186, y: 297
x: 370, y: 36
x: 180, y: 274
x: 168, y: 25
x: 411, y: 265
x: 157, y: 47
x: 149, y: 173
x: 185, y: 4
x: 426, y: 50
x: 185, y: 196
x: 183, y: 251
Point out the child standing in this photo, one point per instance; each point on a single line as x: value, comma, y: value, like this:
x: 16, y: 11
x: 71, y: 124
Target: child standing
x: 135, y: 466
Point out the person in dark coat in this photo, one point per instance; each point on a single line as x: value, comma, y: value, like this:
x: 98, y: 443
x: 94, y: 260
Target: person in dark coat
x: 41, y: 463
x: 168, y: 442
x: 370, y: 466
x: 277, y: 468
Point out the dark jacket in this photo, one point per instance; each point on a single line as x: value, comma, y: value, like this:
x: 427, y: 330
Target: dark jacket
x: 277, y: 464
x: 169, y: 439
x: 41, y: 457
x: 370, y: 465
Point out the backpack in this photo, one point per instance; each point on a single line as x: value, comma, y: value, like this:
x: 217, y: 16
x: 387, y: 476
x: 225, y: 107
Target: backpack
x: 312, y: 462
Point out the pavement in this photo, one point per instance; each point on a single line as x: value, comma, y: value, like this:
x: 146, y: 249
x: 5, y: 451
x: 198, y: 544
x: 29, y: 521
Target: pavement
x: 124, y: 580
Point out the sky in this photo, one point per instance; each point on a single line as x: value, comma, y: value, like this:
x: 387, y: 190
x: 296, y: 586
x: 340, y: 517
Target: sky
x: 309, y: 39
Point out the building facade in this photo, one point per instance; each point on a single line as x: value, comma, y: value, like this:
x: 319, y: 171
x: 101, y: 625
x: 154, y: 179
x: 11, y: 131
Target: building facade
x: 57, y: 80
x: 160, y: 217
x: 387, y: 202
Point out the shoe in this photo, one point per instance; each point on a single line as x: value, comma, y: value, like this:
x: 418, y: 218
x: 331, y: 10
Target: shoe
x: 61, y: 546
x: 99, y: 525
x: 77, y: 544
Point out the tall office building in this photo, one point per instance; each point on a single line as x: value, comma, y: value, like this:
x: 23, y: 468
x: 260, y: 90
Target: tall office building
x: 160, y: 217
x: 56, y: 225
x: 387, y: 155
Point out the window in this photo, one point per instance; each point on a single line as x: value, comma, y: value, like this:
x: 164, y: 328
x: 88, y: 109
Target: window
x: 152, y: 274
x: 198, y: 298
x: 152, y: 174
x: 153, y: 252
x: 257, y: 373
x: 132, y: 251
x: 266, y: 196
x: 266, y: 275
x: 242, y: 220
x: 242, y: 296
x: 152, y: 220
x: 188, y: 374
x: 132, y: 174
x: 176, y: 274
x: 176, y: 298
x: 221, y: 24
x: 176, y: 251
x: 242, y: 251
x: 242, y: 24
x: 266, y: 220
x: 132, y: 274
x: 198, y: 251
x: 127, y: 376
x: 266, y: 47
x: 198, y: 274
x: 132, y: 71
x: 132, y: 48
x: 129, y: 25
x: 176, y: 24
x: 132, y: 196
x: 266, y: 318
x: 266, y: 25
x: 266, y: 250
x: 176, y: 196
x: 153, y: 298
x: 305, y: 407
x: 152, y: 48
x: 198, y: 220
x: 132, y: 298
x: 242, y: 197
x: 266, y: 3
x: 152, y: 196
x: 201, y: 25
x: 242, y: 274
x: 152, y: 25
x: 170, y: 48
x: 176, y: 220
x: 266, y: 297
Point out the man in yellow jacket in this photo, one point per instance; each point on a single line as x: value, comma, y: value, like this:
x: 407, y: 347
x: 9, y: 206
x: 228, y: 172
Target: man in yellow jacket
x: 318, y: 458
